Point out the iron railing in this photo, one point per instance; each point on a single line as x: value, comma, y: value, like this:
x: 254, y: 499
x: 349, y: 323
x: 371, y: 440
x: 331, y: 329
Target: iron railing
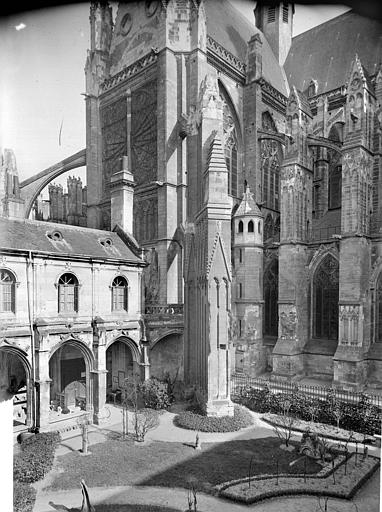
x: 241, y: 381
x: 164, y: 309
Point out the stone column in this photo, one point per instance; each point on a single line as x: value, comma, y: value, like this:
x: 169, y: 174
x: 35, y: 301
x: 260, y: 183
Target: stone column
x: 98, y: 374
x: 43, y: 388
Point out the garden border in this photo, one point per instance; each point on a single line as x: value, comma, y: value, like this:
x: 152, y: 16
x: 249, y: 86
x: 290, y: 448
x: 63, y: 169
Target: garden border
x: 274, y: 493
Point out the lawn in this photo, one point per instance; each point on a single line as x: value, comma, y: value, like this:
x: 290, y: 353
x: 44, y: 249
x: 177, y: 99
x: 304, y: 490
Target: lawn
x: 117, y: 462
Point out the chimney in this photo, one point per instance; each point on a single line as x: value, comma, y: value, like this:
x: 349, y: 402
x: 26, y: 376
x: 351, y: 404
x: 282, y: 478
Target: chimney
x: 122, y: 195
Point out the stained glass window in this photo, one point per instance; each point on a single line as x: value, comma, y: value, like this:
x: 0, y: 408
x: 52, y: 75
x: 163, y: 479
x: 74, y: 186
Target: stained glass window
x: 270, y: 164
x: 325, y: 299
x: 271, y: 296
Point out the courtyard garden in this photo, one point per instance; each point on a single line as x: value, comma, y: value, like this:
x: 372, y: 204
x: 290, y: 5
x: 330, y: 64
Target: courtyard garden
x: 245, y: 458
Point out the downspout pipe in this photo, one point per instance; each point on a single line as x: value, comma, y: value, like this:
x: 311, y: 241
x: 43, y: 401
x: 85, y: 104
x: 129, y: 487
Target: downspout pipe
x: 33, y: 355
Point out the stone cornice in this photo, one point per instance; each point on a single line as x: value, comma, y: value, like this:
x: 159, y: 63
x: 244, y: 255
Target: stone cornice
x: 225, y: 61
x: 129, y: 71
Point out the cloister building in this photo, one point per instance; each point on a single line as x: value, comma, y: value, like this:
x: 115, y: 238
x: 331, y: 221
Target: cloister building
x: 246, y: 163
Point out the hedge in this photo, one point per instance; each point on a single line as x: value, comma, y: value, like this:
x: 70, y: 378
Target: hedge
x: 193, y: 421
x: 36, y: 457
x: 24, y: 496
x: 363, y: 417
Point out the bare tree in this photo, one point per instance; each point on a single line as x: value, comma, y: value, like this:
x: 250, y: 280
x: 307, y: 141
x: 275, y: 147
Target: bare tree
x: 284, y: 429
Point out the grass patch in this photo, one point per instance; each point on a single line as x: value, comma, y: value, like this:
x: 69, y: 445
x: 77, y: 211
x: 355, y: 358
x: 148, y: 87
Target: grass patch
x: 175, y: 464
x: 193, y: 421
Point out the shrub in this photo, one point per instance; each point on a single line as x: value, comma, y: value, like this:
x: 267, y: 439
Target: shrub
x: 189, y: 420
x: 362, y: 417
x: 36, y: 457
x: 154, y: 394
x: 24, y: 497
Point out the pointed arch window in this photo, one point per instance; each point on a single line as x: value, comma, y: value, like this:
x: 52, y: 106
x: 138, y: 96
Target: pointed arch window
x: 119, y: 294
x: 230, y: 146
x: 7, y: 292
x: 271, y: 296
x: 270, y: 164
x: 68, y: 293
x: 335, y: 181
x: 250, y: 226
x: 378, y: 310
x: 268, y: 228
x: 240, y: 227
x: 325, y: 299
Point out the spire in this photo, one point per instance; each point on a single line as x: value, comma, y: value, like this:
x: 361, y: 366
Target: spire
x: 248, y: 205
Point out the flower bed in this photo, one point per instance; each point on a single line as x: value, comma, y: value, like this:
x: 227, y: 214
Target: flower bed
x: 343, y: 482
x: 363, y: 416
x: 328, y: 431
x: 192, y: 421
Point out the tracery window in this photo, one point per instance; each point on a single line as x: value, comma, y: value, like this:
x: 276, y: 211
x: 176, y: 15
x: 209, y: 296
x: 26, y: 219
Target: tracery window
x: 68, y: 294
x: 7, y: 292
x: 268, y: 228
x: 119, y: 294
x: 335, y: 170
x: 271, y: 296
x: 270, y: 165
x: 325, y: 299
x: 378, y: 310
x: 230, y: 147
x: 335, y: 183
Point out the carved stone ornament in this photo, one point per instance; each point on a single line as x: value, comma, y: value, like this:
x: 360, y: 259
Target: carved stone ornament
x: 210, y: 100
x: 288, y: 323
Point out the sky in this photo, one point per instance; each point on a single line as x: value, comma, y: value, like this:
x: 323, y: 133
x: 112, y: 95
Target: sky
x: 42, y: 60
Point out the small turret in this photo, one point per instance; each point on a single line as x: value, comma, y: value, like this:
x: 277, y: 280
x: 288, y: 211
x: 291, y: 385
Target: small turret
x: 276, y: 23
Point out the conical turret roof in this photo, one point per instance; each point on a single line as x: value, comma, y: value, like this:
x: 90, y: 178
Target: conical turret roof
x: 248, y: 205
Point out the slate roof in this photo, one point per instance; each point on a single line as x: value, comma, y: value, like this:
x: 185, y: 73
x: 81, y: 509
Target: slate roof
x: 227, y: 26
x: 31, y: 235
x: 325, y: 52
x: 248, y: 205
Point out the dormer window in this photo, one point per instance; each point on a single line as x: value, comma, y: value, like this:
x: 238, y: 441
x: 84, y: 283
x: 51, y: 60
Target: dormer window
x: 106, y: 242
x: 56, y: 236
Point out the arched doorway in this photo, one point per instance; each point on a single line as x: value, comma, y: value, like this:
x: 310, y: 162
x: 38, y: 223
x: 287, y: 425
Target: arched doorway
x: 166, y: 355
x: 69, y: 371
x: 122, y: 362
x: 15, y: 378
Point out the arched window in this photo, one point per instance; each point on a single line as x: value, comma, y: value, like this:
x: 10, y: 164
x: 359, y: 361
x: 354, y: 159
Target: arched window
x: 271, y: 296
x: 7, y: 292
x: 270, y: 164
x: 68, y: 294
x: 119, y: 294
x: 268, y: 228
x: 230, y: 142
x: 378, y: 310
x: 241, y: 226
x: 250, y: 226
x: 325, y: 299
x: 335, y: 179
x: 335, y: 169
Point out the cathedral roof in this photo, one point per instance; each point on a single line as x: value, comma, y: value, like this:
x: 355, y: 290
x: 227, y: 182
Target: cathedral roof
x: 227, y: 26
x: 248, y: 205
x: 32, y: 235
x: 325, y: 52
